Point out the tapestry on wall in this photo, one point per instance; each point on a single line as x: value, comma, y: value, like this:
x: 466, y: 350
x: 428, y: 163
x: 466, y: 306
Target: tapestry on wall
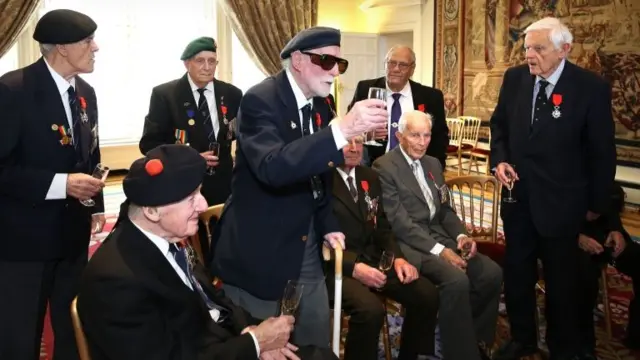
x: 477, y: 40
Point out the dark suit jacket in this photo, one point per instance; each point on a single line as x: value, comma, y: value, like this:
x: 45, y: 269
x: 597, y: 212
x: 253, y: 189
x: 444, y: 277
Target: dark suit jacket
x: 133, y: 305
x: 364, y: 242
x: 169, y: 109
x: 30, y: 155
x: 567, y: 165
x: 407, y: 209
x: 433, y: 102
x: 267, y: 219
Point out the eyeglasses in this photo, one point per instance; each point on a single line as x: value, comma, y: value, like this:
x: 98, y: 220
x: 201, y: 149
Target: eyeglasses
x: 401, y: 65
x: 327, y: 62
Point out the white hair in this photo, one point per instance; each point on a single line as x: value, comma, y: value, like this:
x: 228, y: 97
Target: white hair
x: 286, y: 63
x: 413, y: 115
x: 46, y: 49
x: 398, y: 47
x: 559, y: 33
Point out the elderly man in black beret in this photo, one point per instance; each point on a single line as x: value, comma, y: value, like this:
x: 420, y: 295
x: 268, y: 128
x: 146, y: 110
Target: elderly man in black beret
x: 280, y: 212
x: 48, y: 149
x: 144, y: 294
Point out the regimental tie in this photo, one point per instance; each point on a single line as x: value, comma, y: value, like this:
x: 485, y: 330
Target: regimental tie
x: 82, y: 151
x: 426, y: 192
x: 352, y: 189
x: 203, y: 107
x: 396, y: 112
x: 540, y: 103
x: 180, y: 255
x: 316, y: 183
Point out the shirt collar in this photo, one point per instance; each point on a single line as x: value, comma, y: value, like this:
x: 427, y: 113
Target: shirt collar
x: 405, y: 92
x: 301, y: 100
x: 553, y: 79
x: 194, y: 87
x: 344, y: 175
x: 406, y: 157
x: 61, y: 83
x: 162, y: 244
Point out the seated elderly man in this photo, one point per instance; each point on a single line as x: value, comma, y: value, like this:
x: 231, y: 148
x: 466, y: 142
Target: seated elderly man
x: 358, y: 207
x: 144, y: 295
x: 431, y: 236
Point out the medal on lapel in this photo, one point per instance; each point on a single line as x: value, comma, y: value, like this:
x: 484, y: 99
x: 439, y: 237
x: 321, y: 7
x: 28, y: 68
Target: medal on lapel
x: 293, y: 125
x: 557, y: 100
x: 372, y: 204
x: 181, y: 136
x: 443, y: 191
x: 318, y: 121
x: 65, y: 139
x: 83, y: 109
x: 190, y: 115
x: 191, y: 256
x: 223, y: 109
x: 231, y: 128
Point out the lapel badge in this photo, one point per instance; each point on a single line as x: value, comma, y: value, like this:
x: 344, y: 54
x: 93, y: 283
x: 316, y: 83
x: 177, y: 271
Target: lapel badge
x: 191, y: 122
x: 54, y: 127
x: 293, y: 125
x: 395, y: 125
x: 186, y: 104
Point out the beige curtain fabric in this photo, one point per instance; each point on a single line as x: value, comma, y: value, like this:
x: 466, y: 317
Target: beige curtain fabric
x: 265, y: 26
x: 14, y: 15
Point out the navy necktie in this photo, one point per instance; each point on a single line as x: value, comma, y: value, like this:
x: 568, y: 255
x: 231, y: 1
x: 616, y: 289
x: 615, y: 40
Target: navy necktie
x: 396, y: 111
x: 306, y: 117
x: 203, y: 107
x: 541, y: 102
x: 75, y: 121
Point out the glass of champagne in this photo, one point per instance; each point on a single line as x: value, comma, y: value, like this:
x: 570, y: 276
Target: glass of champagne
x: 510, y: 184
x: 465, y: 252
x: 386, y: 262
x: 214, y: 147
x: 375, y: 93
x: 291, y: 298
x: 100, y: 172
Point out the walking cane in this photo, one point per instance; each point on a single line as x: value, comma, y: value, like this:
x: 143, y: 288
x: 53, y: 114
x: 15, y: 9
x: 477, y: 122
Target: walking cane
x: 337, y: 297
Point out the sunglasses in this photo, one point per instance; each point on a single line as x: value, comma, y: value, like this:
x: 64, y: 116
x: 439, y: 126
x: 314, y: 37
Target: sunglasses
x: 327, y: 62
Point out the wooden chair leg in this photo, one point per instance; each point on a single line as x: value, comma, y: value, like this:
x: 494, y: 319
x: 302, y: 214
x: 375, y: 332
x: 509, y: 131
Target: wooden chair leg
x: 385, y: 333
x: 459, y: 163
x: 487, y: 169
x: 605, y: 302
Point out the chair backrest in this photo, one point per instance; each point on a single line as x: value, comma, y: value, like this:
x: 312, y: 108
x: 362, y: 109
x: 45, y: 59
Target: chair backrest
x: 213, y: 212
x: 81, y: 340
x: 471, y: 196
x: 456, y: 129
x: 471, y: 130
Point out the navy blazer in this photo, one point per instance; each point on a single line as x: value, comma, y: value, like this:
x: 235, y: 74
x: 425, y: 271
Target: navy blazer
x: 260, y: 240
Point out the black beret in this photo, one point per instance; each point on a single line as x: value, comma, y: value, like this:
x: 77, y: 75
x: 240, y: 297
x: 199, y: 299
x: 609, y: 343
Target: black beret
x: 200, y: 44
x: 63, y: 26
x: 166, y: 175
x: 311, y: 38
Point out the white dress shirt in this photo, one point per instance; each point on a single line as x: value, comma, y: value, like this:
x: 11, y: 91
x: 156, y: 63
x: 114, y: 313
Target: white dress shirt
x: 406, y: 104
x: 302, y: 101
x: 552, y: 80
x: 344, y: 176
x: 163, y: 246
x: 58, y: 188
x: 210, y: 95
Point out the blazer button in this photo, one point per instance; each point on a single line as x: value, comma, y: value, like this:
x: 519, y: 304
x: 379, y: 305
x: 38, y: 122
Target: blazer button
x: 304, y: 238
x: 330, y: 164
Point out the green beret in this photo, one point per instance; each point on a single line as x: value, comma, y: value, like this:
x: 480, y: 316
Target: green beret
x: 63, y: 26
x: 200, y: 44
x: 311, y: 38
x: 166, y: 175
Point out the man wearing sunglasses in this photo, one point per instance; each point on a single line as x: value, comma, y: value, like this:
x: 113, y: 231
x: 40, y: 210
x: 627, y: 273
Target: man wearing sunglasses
x: 405, y: 95
x: 273, y: 226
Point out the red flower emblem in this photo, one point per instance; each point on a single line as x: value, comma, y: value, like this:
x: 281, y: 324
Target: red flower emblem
x: 557, y: 99
x: 365, y: 185
x: 83, y: 103
x: 318, y: 120
x: 421, y: 107
x: 224, y: 109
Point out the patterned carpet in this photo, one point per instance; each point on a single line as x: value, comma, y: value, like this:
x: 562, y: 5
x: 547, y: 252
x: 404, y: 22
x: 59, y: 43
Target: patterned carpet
x: 619, y: 288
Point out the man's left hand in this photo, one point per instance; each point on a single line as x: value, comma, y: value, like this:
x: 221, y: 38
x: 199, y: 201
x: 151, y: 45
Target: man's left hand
x: 616, y: 240
x: 97, y: 223
x: 467, y: 242
x: 334, y: 239
x: 406, y: 272
x: 287, y: 352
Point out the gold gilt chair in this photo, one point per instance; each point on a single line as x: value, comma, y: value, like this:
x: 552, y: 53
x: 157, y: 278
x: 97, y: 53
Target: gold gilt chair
x: 213, y: 212
x: 456, y: 128
x: 81, y: 339
x: 470, y: 133
x: 481, y: 154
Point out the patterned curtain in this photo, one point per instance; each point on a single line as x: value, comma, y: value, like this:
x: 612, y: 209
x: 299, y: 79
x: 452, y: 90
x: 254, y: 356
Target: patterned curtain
x: 265, y: 26
x: 14, y: 15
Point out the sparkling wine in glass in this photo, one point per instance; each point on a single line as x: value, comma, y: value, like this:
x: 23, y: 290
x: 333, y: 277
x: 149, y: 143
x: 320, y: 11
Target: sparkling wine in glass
x: 100, y: 172
x: 465, y: 252
x: 214, y: 147
x: 375, y: 93
x: 510, y: 184
x: 291, y: 298
x: 386, y: 262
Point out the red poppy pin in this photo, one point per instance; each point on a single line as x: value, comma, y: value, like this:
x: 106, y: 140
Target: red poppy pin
x: 421, y: 107
x: 83, y: 103
x: 318, y: 120
x: 365, y: 185
x: 224, y: 109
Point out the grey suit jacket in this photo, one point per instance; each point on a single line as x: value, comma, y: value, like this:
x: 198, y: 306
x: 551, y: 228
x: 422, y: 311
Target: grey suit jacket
x: 407, y: 210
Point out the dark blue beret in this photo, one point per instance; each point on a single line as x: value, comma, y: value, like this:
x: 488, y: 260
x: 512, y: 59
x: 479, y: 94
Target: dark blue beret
x: 63, y: 26
x: 166, y: 175
x: 311, y: 38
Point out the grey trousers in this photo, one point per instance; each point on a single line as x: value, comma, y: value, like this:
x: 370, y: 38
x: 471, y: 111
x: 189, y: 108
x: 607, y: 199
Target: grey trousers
x: 312, y: 325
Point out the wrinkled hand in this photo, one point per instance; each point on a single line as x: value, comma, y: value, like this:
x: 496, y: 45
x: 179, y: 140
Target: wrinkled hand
x: 273, y: 333
x: 467, y: 243
x: 616, y: 240
x: 504, y: 172
x: 405, y: 271
x: 97, y: 223
x: 365, y: 115
x: 369, y: 276
x: 377, y: 134
x: 452, y: 258
x: 287, y: 352
x: 82, y: 186
x: 211, y: 159
x: 589, y: 245
x: 334, y: 239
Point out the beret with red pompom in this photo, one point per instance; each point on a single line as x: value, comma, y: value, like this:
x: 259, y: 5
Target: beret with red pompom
x: 166, y: 175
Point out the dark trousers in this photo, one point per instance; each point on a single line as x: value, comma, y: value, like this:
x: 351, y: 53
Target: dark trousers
x: 524, y: 245
x: 27, y: 288
x: 420, y: 301
x: 589, y: 274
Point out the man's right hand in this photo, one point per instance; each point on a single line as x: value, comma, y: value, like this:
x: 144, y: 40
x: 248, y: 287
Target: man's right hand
x: 504, y: 172
x: 452, y: 258
x: 365, y: 115
x: 369, y: 276
x: 82, y: 186
x: 589, y: 245
x: 211, y: 159
x: 274, y: 332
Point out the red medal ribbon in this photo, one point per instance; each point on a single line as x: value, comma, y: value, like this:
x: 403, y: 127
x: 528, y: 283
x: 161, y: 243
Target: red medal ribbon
x: 365, y: 185
x: 557, y: 99
x: 318, y: 120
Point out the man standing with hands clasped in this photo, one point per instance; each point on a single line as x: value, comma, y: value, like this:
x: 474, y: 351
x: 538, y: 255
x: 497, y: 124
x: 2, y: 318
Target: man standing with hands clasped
x: 279, y: 214
x: 48, y: 149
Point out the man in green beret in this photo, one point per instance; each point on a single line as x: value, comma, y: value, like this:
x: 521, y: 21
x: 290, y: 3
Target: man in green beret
x: 48, y: 150
x: 200, y: 111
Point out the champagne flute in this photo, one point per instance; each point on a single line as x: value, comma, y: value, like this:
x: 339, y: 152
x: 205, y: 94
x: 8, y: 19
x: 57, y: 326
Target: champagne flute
x: 465, y: 252
x: 214, y: 147
x: 386, y: 262
x: 510, y: 184
x: 291, y: 298
x: 375, y: 93
x: 100, y: 172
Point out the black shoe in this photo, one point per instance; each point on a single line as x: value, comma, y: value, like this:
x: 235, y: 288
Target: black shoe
x: 514, y: 350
